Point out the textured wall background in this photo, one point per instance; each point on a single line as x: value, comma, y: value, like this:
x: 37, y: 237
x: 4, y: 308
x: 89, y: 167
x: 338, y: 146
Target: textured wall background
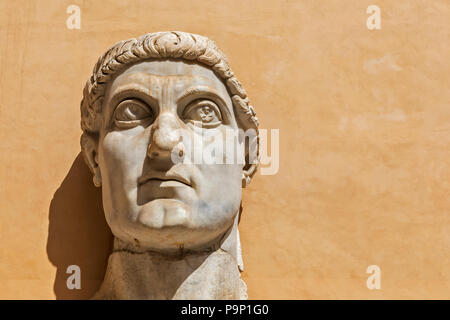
x: 364, y: 119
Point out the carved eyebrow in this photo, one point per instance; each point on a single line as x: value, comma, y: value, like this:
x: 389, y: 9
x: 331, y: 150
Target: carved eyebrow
x: 204, y: 90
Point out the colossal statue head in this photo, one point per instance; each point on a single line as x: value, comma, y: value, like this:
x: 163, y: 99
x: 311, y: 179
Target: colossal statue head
x: 151, y: 106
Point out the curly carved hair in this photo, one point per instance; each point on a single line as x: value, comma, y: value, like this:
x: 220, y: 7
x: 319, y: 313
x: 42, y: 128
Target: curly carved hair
x: 162, y: 45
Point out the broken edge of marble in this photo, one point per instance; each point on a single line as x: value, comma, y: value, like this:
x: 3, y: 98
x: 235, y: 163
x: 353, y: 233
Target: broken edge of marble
x: 144, y: 275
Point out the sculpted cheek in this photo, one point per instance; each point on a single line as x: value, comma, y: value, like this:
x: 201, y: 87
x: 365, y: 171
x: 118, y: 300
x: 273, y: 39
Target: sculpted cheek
x: 124, y: 150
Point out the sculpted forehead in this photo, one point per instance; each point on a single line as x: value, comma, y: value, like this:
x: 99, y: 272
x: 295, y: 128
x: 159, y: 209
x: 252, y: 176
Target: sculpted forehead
x: 181, y: 74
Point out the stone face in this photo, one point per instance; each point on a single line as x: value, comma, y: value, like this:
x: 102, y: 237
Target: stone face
x: 164, y: 119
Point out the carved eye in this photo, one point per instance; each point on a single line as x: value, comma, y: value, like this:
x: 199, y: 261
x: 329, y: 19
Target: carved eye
x: 131, y: 113
x: 204, y: 112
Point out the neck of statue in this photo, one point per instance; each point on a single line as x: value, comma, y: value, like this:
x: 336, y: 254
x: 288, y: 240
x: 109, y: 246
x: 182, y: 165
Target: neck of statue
x: 134, y: 273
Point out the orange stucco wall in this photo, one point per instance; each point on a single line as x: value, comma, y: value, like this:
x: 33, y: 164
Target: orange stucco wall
x: 364, y: 124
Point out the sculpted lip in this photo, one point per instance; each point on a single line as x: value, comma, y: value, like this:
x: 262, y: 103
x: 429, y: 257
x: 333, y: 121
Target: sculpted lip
x: 163, y: 177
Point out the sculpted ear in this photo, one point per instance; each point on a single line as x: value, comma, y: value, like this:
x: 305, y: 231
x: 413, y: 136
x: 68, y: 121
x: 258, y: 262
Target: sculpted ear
x: 251, y: 142
x: 248, y: 124
x: 89, y: 147
x: 247, y: 174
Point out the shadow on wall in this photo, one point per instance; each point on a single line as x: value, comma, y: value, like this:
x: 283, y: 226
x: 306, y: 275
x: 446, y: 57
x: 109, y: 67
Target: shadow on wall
x: 78, y: 233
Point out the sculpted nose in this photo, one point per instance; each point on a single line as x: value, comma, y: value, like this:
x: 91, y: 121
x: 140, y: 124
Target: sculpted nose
x: 165, y: 140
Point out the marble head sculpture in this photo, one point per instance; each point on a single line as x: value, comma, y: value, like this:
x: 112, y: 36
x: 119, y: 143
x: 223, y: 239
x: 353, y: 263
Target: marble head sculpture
x: 174, y: 219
